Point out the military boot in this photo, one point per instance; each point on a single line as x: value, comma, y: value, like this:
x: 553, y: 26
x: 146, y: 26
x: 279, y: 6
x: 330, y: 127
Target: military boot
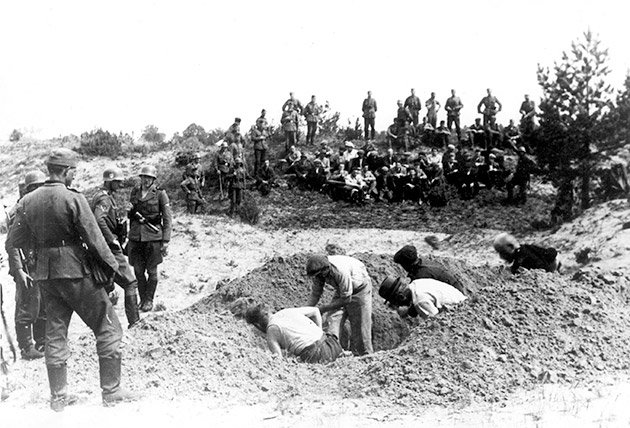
x: 25, y: 342
x: 147, y: 303
x: 131, y: 309
x: 109, y: 370
x: 58, y: 379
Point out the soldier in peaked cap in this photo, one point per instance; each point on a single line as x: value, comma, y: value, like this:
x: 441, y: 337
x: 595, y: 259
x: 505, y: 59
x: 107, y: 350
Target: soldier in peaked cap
x: 114, y: 229
x: 149, y: 233
x: 30, y: 316
x: 57, y: 221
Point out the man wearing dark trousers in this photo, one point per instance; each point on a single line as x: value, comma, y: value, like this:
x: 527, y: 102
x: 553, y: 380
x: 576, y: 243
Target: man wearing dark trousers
x: 369, y: 114
x: 114, y: 231
x: 58, y: 222
x: 30, y: 316
x: 453, y: 107
x: 149, y: 233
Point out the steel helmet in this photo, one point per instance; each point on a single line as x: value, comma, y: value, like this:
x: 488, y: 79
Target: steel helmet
x: 113, y: 174
x: 148, y: 171
x: 34, y: 177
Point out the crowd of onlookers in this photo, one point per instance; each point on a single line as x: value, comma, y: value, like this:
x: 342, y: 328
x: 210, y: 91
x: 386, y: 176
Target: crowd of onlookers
x: 363, y: 174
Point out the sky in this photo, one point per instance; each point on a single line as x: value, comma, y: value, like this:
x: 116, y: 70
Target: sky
x: 72, y: 66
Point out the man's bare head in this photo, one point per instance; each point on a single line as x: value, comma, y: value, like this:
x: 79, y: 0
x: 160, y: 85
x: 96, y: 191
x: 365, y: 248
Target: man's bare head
x: 258, y: 316
x: 505, y: 244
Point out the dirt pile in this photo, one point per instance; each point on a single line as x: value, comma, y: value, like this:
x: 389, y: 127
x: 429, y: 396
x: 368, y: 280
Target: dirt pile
x: 514, y: 332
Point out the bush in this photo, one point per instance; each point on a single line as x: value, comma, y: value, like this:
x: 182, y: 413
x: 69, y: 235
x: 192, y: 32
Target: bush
x: 100, y: 143
x: 249, y: 211
x: 15, y: 136
x: 152, y: 135
x: 195, y: 131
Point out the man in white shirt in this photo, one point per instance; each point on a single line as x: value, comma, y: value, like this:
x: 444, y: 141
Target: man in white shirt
x: 296, y: 330
x: 352, y: 299
x: 424, y: 297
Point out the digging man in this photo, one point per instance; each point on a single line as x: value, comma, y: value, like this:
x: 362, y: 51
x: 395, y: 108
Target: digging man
x: 425, y: 297
x: 352, y: 299
x: 407, y: 257
x: 296, y: 330
x: 527, y: 256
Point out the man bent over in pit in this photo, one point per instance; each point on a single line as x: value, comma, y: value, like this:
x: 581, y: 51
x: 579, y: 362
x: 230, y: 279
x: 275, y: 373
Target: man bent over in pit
x: 297, y: 331
x: 425, y: 297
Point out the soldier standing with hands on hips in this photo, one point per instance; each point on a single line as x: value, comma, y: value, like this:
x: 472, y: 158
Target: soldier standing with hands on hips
x: 149, y: 233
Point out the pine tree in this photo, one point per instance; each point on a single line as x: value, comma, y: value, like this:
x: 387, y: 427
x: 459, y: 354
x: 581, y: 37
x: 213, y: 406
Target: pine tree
x: 576, y: 98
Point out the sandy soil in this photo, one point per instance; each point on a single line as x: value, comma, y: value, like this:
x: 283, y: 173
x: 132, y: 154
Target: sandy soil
x: 227, y: 377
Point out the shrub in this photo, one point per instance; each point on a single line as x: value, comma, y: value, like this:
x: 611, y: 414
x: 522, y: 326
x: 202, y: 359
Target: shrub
x: 196, y: 131
x: 152, y: 135
x: 100, y: 143
x: 15, y: 136
x: 249, y: 211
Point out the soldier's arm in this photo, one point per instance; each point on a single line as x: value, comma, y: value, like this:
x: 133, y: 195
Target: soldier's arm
x: 102, y: 206
x: 90, y: 232
x: 479, y: 106
x: 499, y: 104
x: 167, y: 216
x: 19, y: 235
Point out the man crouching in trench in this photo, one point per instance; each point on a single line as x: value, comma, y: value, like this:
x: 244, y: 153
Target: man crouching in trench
x: 296, y: 330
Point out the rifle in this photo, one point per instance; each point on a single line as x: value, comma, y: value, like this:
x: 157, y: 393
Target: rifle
x: 3, y: 363
x: 142, y: 220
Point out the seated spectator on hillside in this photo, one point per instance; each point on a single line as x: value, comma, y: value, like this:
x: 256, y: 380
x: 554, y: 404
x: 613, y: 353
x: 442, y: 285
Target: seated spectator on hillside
x: 293, y: 157
x: 355, y: 187
x: 442, y: 135
x: 511, y: 136
x: 301, y: 170
x: 390, y: 159
x: 425, y: 297
x: 526, y: 256
x: 413, y: 186
x: 298, y: 331
x: 370, y: 182
x: 265, y: 178
x: 493, y: 136
x: 451, y: 169
x: 324, y: 158
x: 434, y: 157
x: 349, y: 154
x: 477, y: 134
x: 407, y: 257
x: 437, y: 187
x: 383, y: 190
x: 316, y: 177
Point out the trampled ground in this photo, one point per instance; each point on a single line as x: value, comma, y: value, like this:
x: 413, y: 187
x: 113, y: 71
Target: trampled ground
x: 527, y: 349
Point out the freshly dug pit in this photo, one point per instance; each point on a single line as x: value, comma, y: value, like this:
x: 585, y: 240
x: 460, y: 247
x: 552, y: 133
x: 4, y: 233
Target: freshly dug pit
x: 514, y: 332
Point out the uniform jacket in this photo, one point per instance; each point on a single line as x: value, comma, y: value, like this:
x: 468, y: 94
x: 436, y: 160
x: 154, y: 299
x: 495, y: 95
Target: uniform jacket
x: 413, y: 103
x: 259, y: 137
x: 312, y: 112
x: 154, y: 207
x: 104, y: 208
x: 289, y: 120
x: 369, y: 108
x: 58, y: 223
x: 453, y: 106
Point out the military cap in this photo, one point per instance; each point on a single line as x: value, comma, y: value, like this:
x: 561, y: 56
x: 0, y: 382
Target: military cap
x: 34, y: 177
x: 406, y: 255
x: 389, y: 288
x: 237, y: 119
x: 316, y: 264
x: 349, y: 144
x: 63, y: 157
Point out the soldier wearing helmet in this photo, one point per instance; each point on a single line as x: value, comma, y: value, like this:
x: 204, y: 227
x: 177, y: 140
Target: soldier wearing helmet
x: 30, y: 316
x: 352, y: 299
x: 192, y: 189
x: 114, y: 229
x: 57, y: 221
x: 149, y: 233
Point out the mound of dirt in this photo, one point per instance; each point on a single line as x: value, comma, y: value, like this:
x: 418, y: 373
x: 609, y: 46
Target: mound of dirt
x: 514, y: 332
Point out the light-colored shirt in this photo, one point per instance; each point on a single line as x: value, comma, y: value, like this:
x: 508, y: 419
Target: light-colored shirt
x: 430, y: 295
x: 294, y: 330
x: 348, y: 277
